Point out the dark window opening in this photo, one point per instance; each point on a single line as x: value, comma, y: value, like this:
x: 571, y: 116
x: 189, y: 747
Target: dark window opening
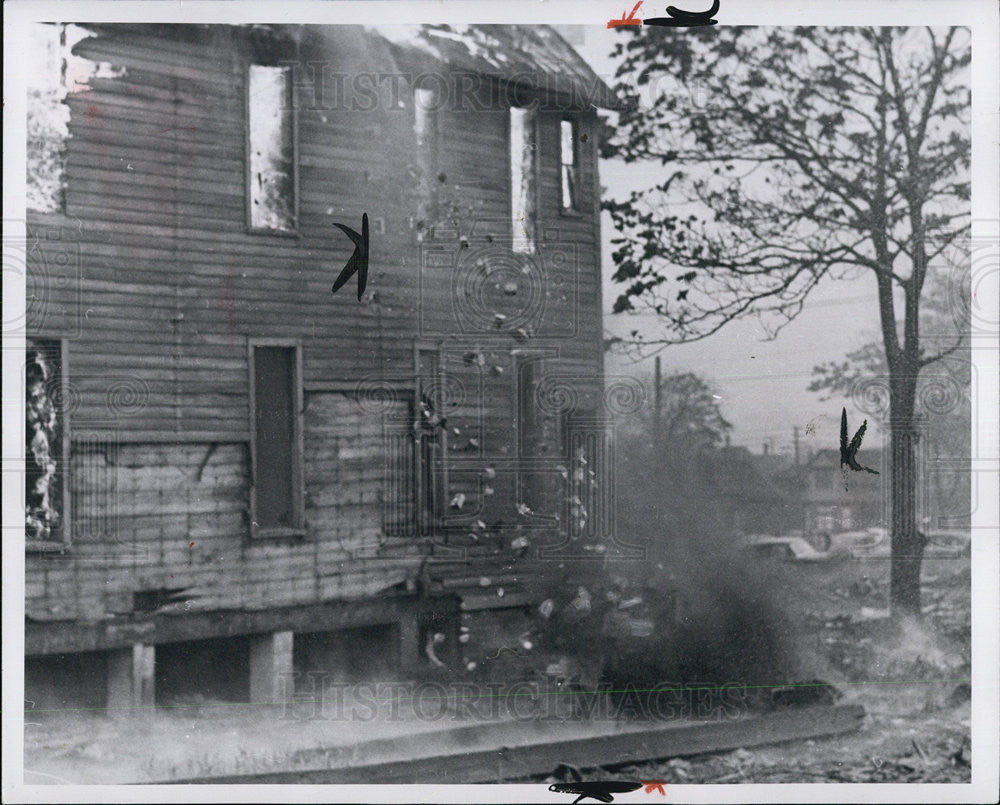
x: 45, y: 442
x: 431, y: 437
x: 569, y: 158
x: 530, y: 438
x: 271, y: 143
x: 276, y: 428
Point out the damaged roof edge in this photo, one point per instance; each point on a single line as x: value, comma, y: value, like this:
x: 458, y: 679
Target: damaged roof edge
x: 533, y: 57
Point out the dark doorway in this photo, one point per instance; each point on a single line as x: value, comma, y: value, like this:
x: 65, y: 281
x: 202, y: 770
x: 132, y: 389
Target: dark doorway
x: 203, y: 670
x: 347, y: 656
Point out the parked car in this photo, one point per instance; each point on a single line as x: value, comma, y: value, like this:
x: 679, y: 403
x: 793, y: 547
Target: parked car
x: 875, y: 543
x: 788, y: 548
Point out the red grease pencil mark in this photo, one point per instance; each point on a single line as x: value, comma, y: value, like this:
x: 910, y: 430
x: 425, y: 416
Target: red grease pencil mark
x: 653, y: 785
x: 629, y: 20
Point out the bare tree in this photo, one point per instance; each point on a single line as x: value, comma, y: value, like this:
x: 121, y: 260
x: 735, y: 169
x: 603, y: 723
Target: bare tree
x: 813, y: 153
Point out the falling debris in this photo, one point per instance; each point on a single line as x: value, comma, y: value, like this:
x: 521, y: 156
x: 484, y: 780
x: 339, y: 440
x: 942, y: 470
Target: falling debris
x: 582, y: 600
x: 458, y: 501
x: 437, y: 639
x: 520, y: 544
x: 523, y: 509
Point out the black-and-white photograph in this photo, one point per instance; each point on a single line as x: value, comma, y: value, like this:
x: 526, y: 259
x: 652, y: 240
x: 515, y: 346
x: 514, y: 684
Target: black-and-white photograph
x: 602, y: 408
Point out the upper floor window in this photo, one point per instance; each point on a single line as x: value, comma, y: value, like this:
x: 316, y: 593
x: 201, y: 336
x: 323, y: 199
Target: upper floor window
x: 569, y: 165
x: 271, y: 145
x: 523, y: 173
x: 53, y: 73
x: 425, y: 124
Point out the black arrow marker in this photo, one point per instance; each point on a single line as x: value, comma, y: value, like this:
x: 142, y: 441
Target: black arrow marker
x: 849, y: 451
x: 679, y: 18
x: 359, y: 260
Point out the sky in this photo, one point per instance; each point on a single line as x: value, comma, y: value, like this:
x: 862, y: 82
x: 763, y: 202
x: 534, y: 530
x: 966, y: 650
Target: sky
x: 762, y: 383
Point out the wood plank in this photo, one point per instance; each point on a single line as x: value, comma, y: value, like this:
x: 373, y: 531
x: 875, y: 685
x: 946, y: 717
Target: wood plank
x: 503, y: 762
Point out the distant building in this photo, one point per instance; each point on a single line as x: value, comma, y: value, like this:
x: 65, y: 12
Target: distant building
x: 744, y: 495
x: 823, y: 503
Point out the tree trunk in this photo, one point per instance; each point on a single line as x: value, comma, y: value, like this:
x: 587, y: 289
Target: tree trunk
x: 907, y: 542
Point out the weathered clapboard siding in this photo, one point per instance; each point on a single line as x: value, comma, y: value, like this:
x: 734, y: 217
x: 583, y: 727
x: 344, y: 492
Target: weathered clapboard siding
x: 175, y: 516
x: 156, y: 283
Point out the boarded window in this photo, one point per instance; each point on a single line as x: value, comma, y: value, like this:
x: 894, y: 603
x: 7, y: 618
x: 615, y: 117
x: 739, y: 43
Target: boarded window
x: 523, y: 155
x: 569, y: 165
x: 44, y: 450
x: 95, y: 486
x: 276, y: 430
x: 272, y: 148
x: 400, y: 471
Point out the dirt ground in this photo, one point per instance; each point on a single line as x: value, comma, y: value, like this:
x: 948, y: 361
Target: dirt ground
x: 913, y: 686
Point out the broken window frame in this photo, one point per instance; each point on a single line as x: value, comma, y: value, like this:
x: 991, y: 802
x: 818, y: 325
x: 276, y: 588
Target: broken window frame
x: 430, y: 444
x: 293, y: 229
x: 523, y: 200
x: 570, y: 184
x: 63, y: 456
x: 297, y: 529
x: 537, y: 456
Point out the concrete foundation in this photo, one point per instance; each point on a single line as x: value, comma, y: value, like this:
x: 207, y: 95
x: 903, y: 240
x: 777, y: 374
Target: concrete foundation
x: 271, y: 680
x: 409, y: 642
x: 130, y: 678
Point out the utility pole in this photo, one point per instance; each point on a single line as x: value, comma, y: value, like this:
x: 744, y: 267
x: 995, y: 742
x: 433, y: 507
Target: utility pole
x: 795, y: 438
x: 657, y: 402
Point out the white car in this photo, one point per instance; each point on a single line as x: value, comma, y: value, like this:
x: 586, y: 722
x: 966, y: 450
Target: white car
x: 790, y: 548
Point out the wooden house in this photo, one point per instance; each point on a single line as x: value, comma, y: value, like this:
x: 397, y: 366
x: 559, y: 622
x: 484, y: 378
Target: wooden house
x: 227, y: 460
x: 823, y: 502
